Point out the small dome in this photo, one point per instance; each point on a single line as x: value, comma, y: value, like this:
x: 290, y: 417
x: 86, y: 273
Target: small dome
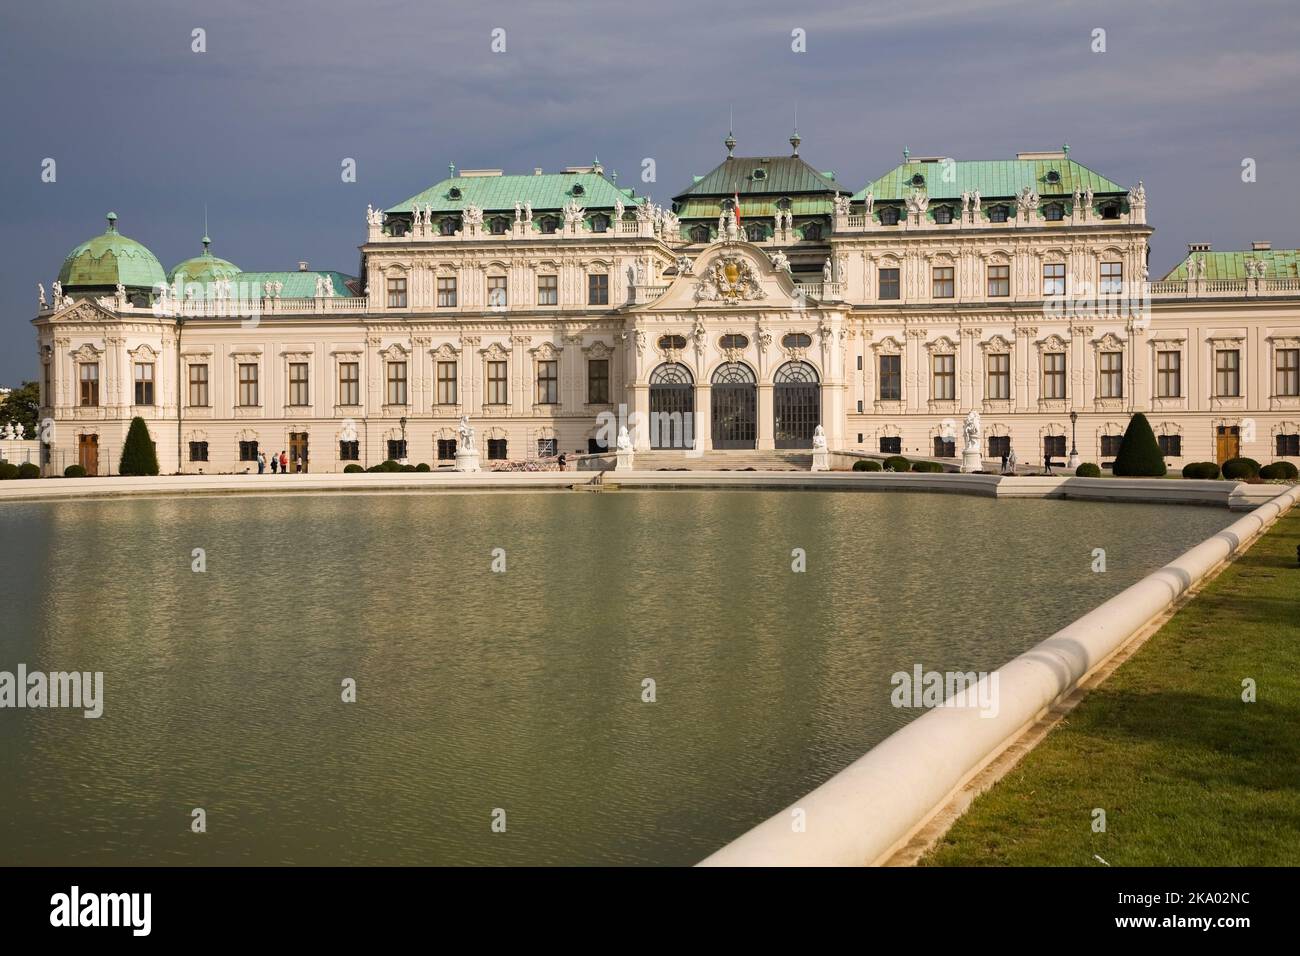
x: 110, y: 259
x: 204, y: 268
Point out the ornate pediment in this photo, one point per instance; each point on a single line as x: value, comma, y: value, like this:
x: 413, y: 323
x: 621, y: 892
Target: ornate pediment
x: 83, y: 310
x: 446, y: 351
x: 729, y: 278
x: 546, y: 351
x: 496, y: 351
x: 87, y: 352
x: 996, y: 344
x: 598, y: 350
x: 1053, y: 343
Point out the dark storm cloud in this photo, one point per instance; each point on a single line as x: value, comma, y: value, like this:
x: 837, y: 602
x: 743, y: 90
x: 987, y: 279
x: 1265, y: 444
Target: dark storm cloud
x: 256, y: 128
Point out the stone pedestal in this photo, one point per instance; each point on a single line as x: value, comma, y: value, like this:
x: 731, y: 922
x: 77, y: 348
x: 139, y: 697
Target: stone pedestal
x: 467, y: 459
x: 821, y: 460
x: 1072, y: 462
x: 971, y: 460
x: 624, y: 460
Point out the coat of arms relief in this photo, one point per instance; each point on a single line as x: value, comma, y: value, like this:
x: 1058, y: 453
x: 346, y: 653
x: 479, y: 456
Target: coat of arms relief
x: 729, y: 279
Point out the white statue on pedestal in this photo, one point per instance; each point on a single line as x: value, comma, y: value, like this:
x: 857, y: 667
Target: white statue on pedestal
x: 624, y: 440
x: 819, y: 438
x: 1011, y: 462
x: 623, y: 450
x: 465, y: 431
x: 40, y: 287
x: 971, y: 459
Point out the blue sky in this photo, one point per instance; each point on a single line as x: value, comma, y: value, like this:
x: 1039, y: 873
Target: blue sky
x: 256, y: 127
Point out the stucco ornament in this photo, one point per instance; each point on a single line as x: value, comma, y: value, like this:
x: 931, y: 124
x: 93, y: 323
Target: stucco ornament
x: 729, y: 279
x: 684, y: 266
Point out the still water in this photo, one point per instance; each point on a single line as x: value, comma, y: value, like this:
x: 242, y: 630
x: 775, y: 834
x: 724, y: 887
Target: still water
x: 520, y: 691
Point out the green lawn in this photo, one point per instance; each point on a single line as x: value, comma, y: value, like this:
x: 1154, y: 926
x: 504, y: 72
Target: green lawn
x: 1187, y: 773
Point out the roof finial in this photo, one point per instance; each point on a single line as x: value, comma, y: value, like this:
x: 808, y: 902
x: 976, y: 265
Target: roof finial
x: 206, y: 241
x: 1065, y: 148
x: 795, y: 140
x: 451, y: 168
x: 112, y: 221
x: 907, y: 153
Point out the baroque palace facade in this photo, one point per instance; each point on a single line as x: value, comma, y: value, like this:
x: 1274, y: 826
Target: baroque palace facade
x: 768, y: 299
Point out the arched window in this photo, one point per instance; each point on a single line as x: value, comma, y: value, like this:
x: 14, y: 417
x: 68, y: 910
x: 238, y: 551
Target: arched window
x: 453, y: 192
x: 578, y: 189
x: 796, y: 373
x: 796, y: 340
x: 889, y: 216
x: 755, y: 232
x: 667, y: 342
x: 733, y: 341
x: 671, y: 373
x: 550, y: 224
x: 998, y: 213
x: 943, y: 215
x: 600, y: 222
x: 449, y: 225
x: 734, y: 373
x: 500, y: 225
x: 699, y: 233
x: 1053, y: 212
x: 812, y: 231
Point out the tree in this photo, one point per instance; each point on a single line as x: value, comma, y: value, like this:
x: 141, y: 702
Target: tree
x: 138, y: 454
x: 22, y: 407
x: 1139, y: 453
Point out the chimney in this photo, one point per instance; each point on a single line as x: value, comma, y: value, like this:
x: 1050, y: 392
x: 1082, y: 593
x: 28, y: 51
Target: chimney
x: 302, y: 265
x: 1198, y: 247
x: 1261, y: 246
x: 537, y: 170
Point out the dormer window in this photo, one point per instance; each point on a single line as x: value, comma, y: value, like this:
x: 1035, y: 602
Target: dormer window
x: 918, y: 180
x: 699, y: 233
x: 1110, y: 211
x: 397, y: 226
x: 578, y: 189
x: 600, y: 222
x: 812, y: 232
x: 998, y: 213
x: 1053, y: 212
x: 550, y: 224
x: 1053, y: 177
x: 889, y: 216
x: 453, y: 193
x: 943, y: 215
x: 500, y: 225
x: 449, y: 225
x: 760, y: 174
x: 755, y: 232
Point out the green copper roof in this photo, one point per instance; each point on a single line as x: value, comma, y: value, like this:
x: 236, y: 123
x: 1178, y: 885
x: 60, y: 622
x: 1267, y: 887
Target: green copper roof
x: 110, y: 259
x: 204, y: 267
x: 753, y: 207
x: 297, y: 285
x: 1278, y: 264
x: 773, y: 176
x: 548, y: 191
x: 994, y: 179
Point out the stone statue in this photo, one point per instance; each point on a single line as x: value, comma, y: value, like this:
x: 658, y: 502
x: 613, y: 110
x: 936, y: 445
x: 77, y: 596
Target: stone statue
x: 1076, y: 196
x: 40, y: 288
x: 572, y: 213
x: 58, y: 293
x: 975, y: 201
x: 780, y: 262
x: 819, y: 437
x: 465, y: 434
x: 870, y: 202
x: 641, y: 339
x: 519, y: 211
x: 826, y: 271
x: 19, y: 430
x: 841, y: 203
x: 120, y: 291
x: 624, y: 440
x: 684, y: 266
x: 7, y: 433
x: 965, y: 202
x: 473, y: 215
x: 1011, y: 462
x: 733, y: 225
x: 918, y: 202
x: 1087, y: 199
x: 971, y: 430
x: 1138, y: 194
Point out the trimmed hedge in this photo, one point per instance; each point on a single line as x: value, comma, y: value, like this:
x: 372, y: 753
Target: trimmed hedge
x: 1201, y: 469
x: 74, y: 471
x: 388, y: 465
x: 1087, y: 470
x: 138, y: 454
x: 928, y: 467
x: 423, y: 466
x: 29, y: 469
x: 1139, y: 453
x: 8, y: 471
x: 352, y: 469
x: 897, y: 463
x: 864, y: 464
x: 1241, y: 468
x: 1279, y: 470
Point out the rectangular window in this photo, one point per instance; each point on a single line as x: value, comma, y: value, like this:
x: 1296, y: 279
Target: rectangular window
x: 999, y: 384
x: 999, y: 280
x: 1112, y: 278
x: 90, y: 383
x: 1110, y: 445
x: 1054, y: 446
x: 396, y: 449
x: 598, y: 289
x: 1054, y: 278
x: 889, y: 284
x: 945, y: 447
x: 349, y: 383
x: 497, y: 392
x: 446, y: 449
x: 1227, y: 373
x: 945, y: 376
x: 446, y: 292
x: 397, y: 293
x: 548, y: 382
x: 999, y: 445
x: 546, y: 448
x: 248, y: 384
x: 1112, y: 374
x: 1288, y: 372
x: 298, y: 384
x: 198, y: 451
x: 349, y: 451
x: 446, y: 383
x: 1171, y: 446
x: 198, y: 386
x: 943, y: 285
x: 497, y: 298
x: 598, y: 381
x: 248, y: 451
x: 1288, y: 446
x: 496, y: 449
x: 144, y: 383
x: 1169, y: 374
x: 891, y: 378
x: 396, y: 383
x: 46, y: 395
x: 1053, y: 375
x: 548, y: 290
x: 891, y: 445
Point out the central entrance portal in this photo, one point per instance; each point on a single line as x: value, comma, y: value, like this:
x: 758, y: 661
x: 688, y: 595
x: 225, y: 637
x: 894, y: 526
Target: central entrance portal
x: 672, y: 407
x: 735, y: 406
x: 796, y: 405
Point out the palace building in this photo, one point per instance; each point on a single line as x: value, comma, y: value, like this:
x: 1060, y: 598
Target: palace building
x: 768, y: 298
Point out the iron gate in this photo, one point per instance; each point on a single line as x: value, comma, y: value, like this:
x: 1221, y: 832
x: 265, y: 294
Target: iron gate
x: 796, y: 405
x: 735, y: 407
x: 672, y: 407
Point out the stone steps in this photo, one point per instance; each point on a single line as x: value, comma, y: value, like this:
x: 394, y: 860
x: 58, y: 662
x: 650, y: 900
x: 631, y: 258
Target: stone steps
x: 778, y: 460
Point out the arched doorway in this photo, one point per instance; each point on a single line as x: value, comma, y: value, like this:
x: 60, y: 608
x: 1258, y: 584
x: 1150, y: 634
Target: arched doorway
x: 735, y: 406
x: 796, y: 405
x: 672, y: 407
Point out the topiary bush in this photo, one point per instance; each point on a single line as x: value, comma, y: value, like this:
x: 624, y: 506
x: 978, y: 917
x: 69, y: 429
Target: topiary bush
x: 407, y: 468
x: 423, y: 466
x: 897, y: 463
x: 1241, y: 469
x: 864, y: 464
x: 928, y: 467
x: 74, y: 471
x: 29, y: 469
x: 1087, y: 470
x: 352, y: 469
x: 1201, y: 469
x: 1139, y: 453
x: 8, y: 471
x: 1278, y: 471
x: 138, y: 454
x: 388, y: 465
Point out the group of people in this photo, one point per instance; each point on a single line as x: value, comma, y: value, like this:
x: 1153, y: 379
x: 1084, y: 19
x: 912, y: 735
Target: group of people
x: 279, y: 463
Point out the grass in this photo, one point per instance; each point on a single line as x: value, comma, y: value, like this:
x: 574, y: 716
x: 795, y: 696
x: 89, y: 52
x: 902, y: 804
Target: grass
x: 1187, y: 773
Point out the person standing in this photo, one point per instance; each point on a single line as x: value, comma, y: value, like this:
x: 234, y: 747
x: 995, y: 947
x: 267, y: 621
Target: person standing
x: 297, y: 465
x: 1005, y: 455
x: 261, y: 462
x: 275, y: 464
x: 284, y: 463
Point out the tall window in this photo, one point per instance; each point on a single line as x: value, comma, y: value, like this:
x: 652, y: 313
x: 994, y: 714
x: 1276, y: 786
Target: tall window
x: 496, y: 448
x: 891, y: 378
x: 598, y: 381
x: 1112, y: 374
x: 1169, y: 374
x: 943, y: 215
x: 1110, y: 445
x: 90, y: 383
x: 999, y: 445
x: 1112, y: 278
x: 144, y: 383
x: 198, y: 451
x: 942, y: 286
x: 496, y: 289
x: 598, y: 289
x: 396, y: 449
x: 248, y: 451
x: 349, y: 450
x: 1053, y: 375
x: 889, y: 284
x: 1054, y: 278
x: 198, y: 386
x: 1227, y: 373
x: 1288, y: 372
x: 446, y: 449
x: 1054, y: 446
x: 298, y: 384
x: 349, y: 383
x: 999, y: 383
x: 1288, y: 446
x: 248, y: 383
x: 548, y: 382
x: 891, y: 444
x: 396, y: 383
x: 397, y: 293
x: 945, y: 375
x: 446, y: 383
x: 1171, y: 446
x: 446, y: 292
x: 999, y: 280
x: 497, y: 393
x: 998, y: 213
x: 548, y: 290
